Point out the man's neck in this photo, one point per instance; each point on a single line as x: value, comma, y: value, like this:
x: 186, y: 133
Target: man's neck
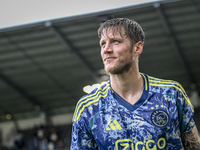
x: 128, y: 85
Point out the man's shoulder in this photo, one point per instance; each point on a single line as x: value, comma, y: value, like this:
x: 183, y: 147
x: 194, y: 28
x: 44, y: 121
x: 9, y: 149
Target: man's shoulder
x: 155, y: 81
x: 156, y: 84
x: 97, y: 93
x: 92, y: 101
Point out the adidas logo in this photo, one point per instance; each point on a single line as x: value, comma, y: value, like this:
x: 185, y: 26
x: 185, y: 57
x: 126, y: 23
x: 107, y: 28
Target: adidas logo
x: 114, y: 126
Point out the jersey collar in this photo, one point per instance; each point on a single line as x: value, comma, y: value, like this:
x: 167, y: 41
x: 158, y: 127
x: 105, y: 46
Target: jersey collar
x: 129, y: 106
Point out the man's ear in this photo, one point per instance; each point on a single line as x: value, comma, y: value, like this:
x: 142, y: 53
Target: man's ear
x: 138, y: 48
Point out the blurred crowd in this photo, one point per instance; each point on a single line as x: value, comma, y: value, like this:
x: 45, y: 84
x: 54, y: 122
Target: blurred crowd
x: 40, y: 138
x: 46, y: 139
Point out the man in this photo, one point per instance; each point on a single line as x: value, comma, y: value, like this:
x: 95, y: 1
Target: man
x: 132, y: 111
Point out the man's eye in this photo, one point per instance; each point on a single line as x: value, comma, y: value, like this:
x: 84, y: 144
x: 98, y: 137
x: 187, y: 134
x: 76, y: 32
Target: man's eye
x: 103, y: 44
x: 115, y: 41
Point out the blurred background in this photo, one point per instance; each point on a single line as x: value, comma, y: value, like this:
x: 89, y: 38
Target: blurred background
x: 50, y: 58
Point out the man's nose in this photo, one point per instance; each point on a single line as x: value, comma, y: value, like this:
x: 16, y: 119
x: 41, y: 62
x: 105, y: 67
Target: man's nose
x: 108, y: 48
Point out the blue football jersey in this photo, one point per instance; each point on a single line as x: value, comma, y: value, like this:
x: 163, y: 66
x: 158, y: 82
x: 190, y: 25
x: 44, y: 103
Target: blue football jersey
x: 104, y: 120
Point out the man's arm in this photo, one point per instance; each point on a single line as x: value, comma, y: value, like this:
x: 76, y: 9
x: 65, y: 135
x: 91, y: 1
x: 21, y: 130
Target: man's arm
x: 191, y: 139
x: 81, y: 138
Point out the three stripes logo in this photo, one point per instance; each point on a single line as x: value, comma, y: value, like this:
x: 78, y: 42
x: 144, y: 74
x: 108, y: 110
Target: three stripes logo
x: 114, y: 125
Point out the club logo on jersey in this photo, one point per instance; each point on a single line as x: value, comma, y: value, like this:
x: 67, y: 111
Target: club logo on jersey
x: 159, y: 118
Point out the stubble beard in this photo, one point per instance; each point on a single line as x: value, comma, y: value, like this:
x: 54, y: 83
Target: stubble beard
x: 120, y: 67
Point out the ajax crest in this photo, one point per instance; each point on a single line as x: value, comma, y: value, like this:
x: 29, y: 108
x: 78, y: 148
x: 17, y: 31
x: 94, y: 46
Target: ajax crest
x: 159, y: 118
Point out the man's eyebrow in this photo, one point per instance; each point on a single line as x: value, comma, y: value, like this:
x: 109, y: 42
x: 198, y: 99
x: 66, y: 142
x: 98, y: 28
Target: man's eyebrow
x: 112, y: 38
x: 101, y: 41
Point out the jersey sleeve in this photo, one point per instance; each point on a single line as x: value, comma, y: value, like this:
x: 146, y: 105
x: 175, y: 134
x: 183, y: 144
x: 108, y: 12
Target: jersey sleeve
x: 81, y: 138
x: 185, y: 111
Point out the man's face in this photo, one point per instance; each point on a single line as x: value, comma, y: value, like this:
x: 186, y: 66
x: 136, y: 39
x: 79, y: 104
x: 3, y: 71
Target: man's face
x: 116, y: 52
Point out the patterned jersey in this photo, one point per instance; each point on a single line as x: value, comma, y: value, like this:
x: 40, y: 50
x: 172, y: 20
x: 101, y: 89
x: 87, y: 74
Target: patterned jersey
x: 104, y: 120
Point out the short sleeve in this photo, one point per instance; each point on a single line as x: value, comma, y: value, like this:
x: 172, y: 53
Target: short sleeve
x: 185, y: 111
x: 190, y: 125
x: 81, y: 138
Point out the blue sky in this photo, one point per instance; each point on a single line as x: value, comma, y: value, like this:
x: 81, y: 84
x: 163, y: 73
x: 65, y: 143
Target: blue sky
x: 18, y: 12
